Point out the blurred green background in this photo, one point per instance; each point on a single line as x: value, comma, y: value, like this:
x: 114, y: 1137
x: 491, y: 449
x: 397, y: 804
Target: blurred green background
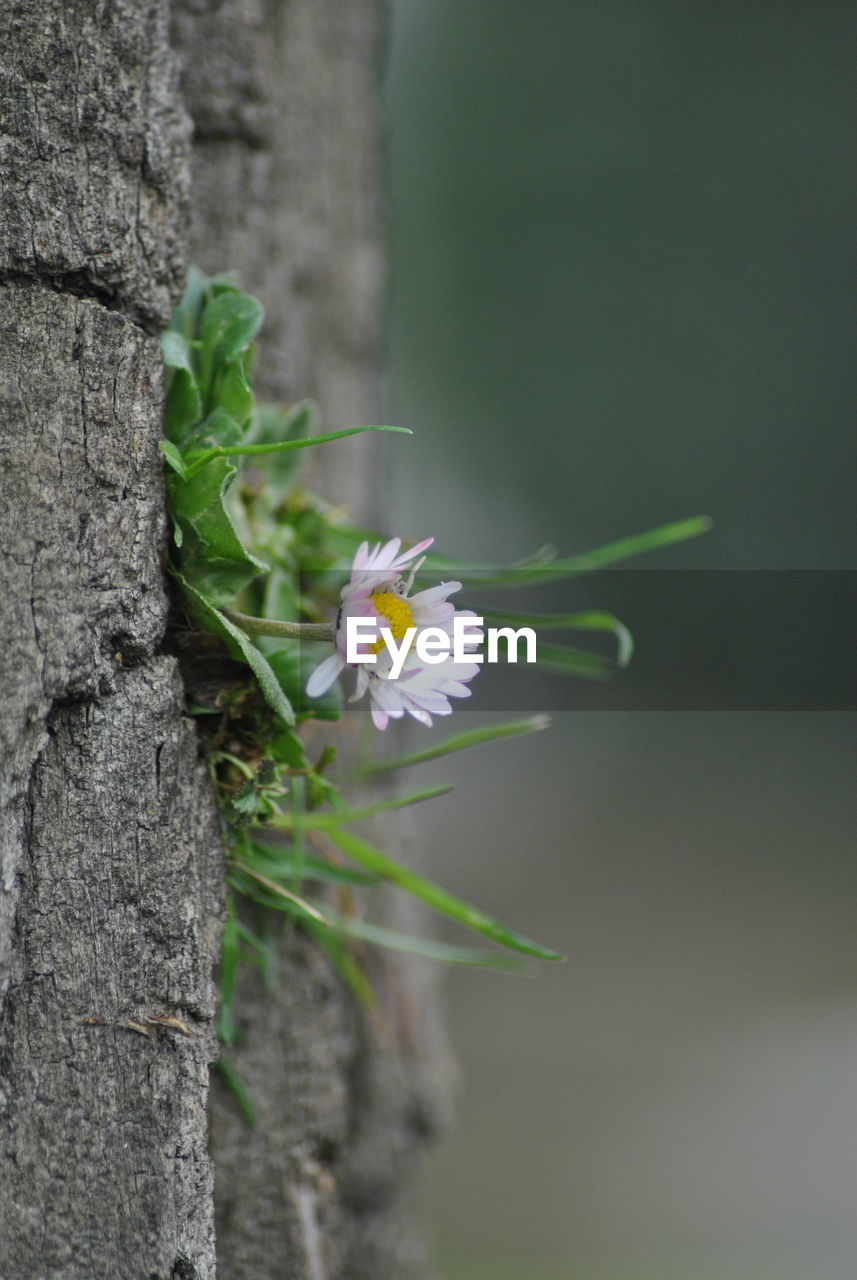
x: 623, y: 292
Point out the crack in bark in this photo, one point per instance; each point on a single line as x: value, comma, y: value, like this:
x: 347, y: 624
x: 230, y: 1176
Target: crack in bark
x: 76, y: 284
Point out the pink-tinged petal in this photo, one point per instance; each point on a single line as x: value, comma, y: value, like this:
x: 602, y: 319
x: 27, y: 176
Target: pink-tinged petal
x: 383, y: 556
x: 380, y: 719
x: 361, y: 556
x: 403, y: 559
x: 324, y: 675
x: 358, y: 607
x: 358, y: 588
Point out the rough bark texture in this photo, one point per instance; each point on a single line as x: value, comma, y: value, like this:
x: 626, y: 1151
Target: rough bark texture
x: 286, y: 179
x: 110, y: 871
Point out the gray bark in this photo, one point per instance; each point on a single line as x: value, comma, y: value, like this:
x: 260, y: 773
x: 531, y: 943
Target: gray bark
x: 111, y: 868
x: 111, y: 872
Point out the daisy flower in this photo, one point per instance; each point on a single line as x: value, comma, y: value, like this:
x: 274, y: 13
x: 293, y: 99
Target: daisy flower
x: 376, y: 591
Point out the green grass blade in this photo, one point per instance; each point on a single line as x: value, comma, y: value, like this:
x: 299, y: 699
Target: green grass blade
x: 574, y: 662
x: 372, y: 859
x: 427, y: 947
x: 172, y: 457
x: 281, y: 446
x: 341, y: 817
x: 461, y: 742
x: 666, y: 535
x: 590, y: 620
x: 225, y: 1022
x: 274, y: 861
x: 238, y: 1089
x: 336, y: 949
x: 543, y: 566
x: 278, y: 891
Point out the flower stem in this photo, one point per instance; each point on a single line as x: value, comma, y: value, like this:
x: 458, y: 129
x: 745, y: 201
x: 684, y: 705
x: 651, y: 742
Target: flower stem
x: 287, y: 630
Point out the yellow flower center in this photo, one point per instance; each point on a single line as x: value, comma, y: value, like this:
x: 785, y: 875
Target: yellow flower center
x: 398, y: 615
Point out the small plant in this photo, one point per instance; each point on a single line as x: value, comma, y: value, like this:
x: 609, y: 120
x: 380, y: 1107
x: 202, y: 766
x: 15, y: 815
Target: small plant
x: 262, y: 567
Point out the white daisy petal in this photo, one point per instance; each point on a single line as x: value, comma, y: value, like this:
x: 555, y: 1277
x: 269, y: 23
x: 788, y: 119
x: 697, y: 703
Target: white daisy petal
x: 455, y: 689
x: 429, y: 700
x: 430, y: 594
x: 324, y: 675
x: 379, y: 718
x: 388, y: 697
x: 361, y: 686
x: 385, y: 555
x: 419, y: 714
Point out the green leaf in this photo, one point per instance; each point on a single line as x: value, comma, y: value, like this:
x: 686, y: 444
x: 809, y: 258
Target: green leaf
x: 280, y: 862
x: 373, y: 860
x: 245, y: 799
x: 591, y: 620
x: 666, y: 535
x: 175, y: 351
x: 426, y: 947
x: 270, y: 893
x: 542, y: 566
x: 196, y: 494
x: 293, y: 661
x: 286, y: 446
x: 218, y: 578
x: 574, y: 662
x: 182, y: 402
x: 215, y: 558
x: 335, y: 947
x: 327, y: 918
x: 238, y: 1089
x: 278, y: 425
x: 233, y: 394
x: 280, y: 598
x: 225, y: 1022
x: 461, y: 742
x: 172, y: 457
x: 218, y: 429
x: 209, y: 618
x: 229, y: 323
x: 287, y: 748
x: 185, y: 317
x: 321, y: 821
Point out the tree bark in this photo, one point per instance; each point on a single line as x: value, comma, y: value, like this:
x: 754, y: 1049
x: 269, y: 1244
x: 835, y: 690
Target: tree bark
x: 111, y: 871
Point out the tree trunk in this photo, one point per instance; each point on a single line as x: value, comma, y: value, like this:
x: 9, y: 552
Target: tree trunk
x: 111, y: 870
x: 111, y: 867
